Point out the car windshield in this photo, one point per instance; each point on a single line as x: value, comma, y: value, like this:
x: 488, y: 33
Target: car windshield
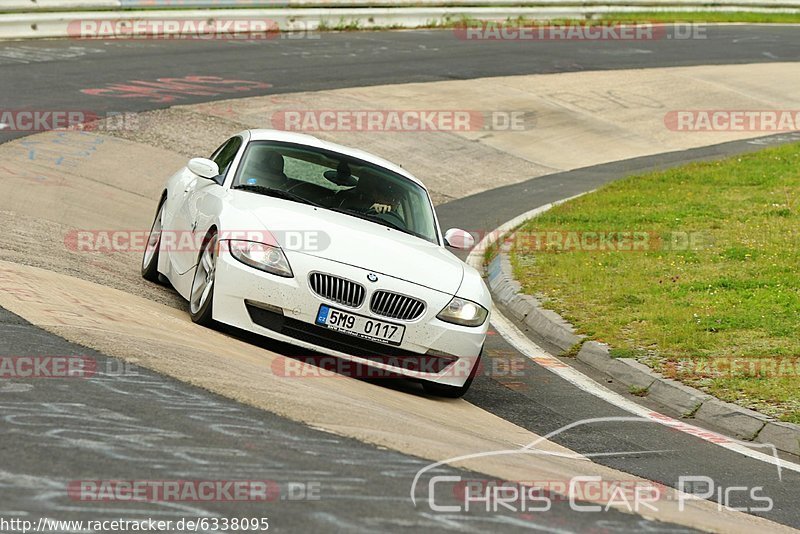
x: 339, y: 183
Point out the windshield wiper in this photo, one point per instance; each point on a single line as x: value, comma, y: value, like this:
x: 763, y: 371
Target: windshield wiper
x: 375, y: 218
x: 277, y: 193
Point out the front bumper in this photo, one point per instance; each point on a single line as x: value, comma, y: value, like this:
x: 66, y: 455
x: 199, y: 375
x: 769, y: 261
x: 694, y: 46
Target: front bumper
x: 285, y: 309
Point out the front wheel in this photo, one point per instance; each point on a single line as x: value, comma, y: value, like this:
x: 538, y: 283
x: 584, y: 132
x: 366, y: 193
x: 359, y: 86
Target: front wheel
x: 201, y: 297
x: 453, y: 392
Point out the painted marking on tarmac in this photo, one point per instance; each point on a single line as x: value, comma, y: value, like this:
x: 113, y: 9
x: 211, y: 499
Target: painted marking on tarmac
x: 531, y: 350
x: 165, y: 90
x: 31, y: 54
x: 65, y: 149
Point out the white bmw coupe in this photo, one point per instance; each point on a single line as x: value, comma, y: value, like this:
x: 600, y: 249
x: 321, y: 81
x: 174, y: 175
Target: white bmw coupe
x: 325, y: 247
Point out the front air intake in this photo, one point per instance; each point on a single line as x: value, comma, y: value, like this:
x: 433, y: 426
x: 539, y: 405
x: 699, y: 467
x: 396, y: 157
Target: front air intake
x: 396, y: 306
x: 338, y: 290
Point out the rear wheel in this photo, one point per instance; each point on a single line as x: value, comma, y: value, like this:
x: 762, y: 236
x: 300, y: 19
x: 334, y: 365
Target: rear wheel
x: 201, y: 297
x: 151, y: 251
x: 453, y: 392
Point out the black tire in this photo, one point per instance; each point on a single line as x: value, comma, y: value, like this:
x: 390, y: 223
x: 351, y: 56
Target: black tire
x: 453, y: 392
x: 150, y: 265
x: 201, y: 311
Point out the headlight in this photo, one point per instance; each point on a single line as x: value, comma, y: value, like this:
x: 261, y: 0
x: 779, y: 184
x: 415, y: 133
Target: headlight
x: 261, y: 256
x: 463, y: 312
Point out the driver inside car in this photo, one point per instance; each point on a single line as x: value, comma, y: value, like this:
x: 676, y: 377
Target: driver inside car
x: 371, y: 194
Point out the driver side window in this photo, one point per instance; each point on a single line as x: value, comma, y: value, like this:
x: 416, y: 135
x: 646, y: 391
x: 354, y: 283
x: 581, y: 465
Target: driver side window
x: 224, y: 156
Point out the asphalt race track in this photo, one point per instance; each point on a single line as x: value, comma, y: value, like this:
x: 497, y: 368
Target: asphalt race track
x: 148, y: 426
x: 52, y: 74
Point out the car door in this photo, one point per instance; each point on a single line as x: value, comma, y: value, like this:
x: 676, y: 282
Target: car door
x: 196, y: 208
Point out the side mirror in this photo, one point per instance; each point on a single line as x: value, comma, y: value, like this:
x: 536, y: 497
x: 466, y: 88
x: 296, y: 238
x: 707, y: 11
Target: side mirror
x: 459, y: 239
x: 204, y: 168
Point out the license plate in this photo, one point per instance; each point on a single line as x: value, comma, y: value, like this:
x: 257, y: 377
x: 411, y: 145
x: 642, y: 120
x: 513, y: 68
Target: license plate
x: 360, y: 326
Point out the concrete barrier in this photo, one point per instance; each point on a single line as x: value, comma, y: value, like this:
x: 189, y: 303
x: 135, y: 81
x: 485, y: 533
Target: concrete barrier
x: 62, y: 24
x: 31, y: 19
x: 589, y: 5
x: 57, y: 5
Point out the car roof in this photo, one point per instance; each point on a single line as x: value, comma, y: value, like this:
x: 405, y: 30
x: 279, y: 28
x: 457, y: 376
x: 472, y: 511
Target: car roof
x: 264, y: 134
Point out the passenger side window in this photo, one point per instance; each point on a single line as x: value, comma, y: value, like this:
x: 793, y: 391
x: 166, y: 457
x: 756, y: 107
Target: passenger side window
x: 224, y: 156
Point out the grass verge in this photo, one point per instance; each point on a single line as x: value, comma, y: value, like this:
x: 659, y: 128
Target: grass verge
x: 694, y: 271
x: 705, y: 16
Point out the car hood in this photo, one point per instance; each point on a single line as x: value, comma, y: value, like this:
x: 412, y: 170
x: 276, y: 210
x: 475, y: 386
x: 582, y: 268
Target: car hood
x: 345, y: 239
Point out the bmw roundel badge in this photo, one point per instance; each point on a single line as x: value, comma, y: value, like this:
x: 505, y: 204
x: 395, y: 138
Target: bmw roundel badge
x: 372, y: 277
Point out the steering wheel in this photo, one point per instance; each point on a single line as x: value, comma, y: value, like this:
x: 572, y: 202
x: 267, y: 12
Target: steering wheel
x: 291, y: 187
x: 388, y: 214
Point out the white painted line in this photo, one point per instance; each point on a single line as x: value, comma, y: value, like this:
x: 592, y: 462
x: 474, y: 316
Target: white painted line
x: 522, y: 343
x: 531, y: 350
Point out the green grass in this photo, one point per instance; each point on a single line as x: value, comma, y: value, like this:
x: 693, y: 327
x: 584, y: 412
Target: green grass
x: 734, y: 292
x: 343, y: 25
x: 705, y: 16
